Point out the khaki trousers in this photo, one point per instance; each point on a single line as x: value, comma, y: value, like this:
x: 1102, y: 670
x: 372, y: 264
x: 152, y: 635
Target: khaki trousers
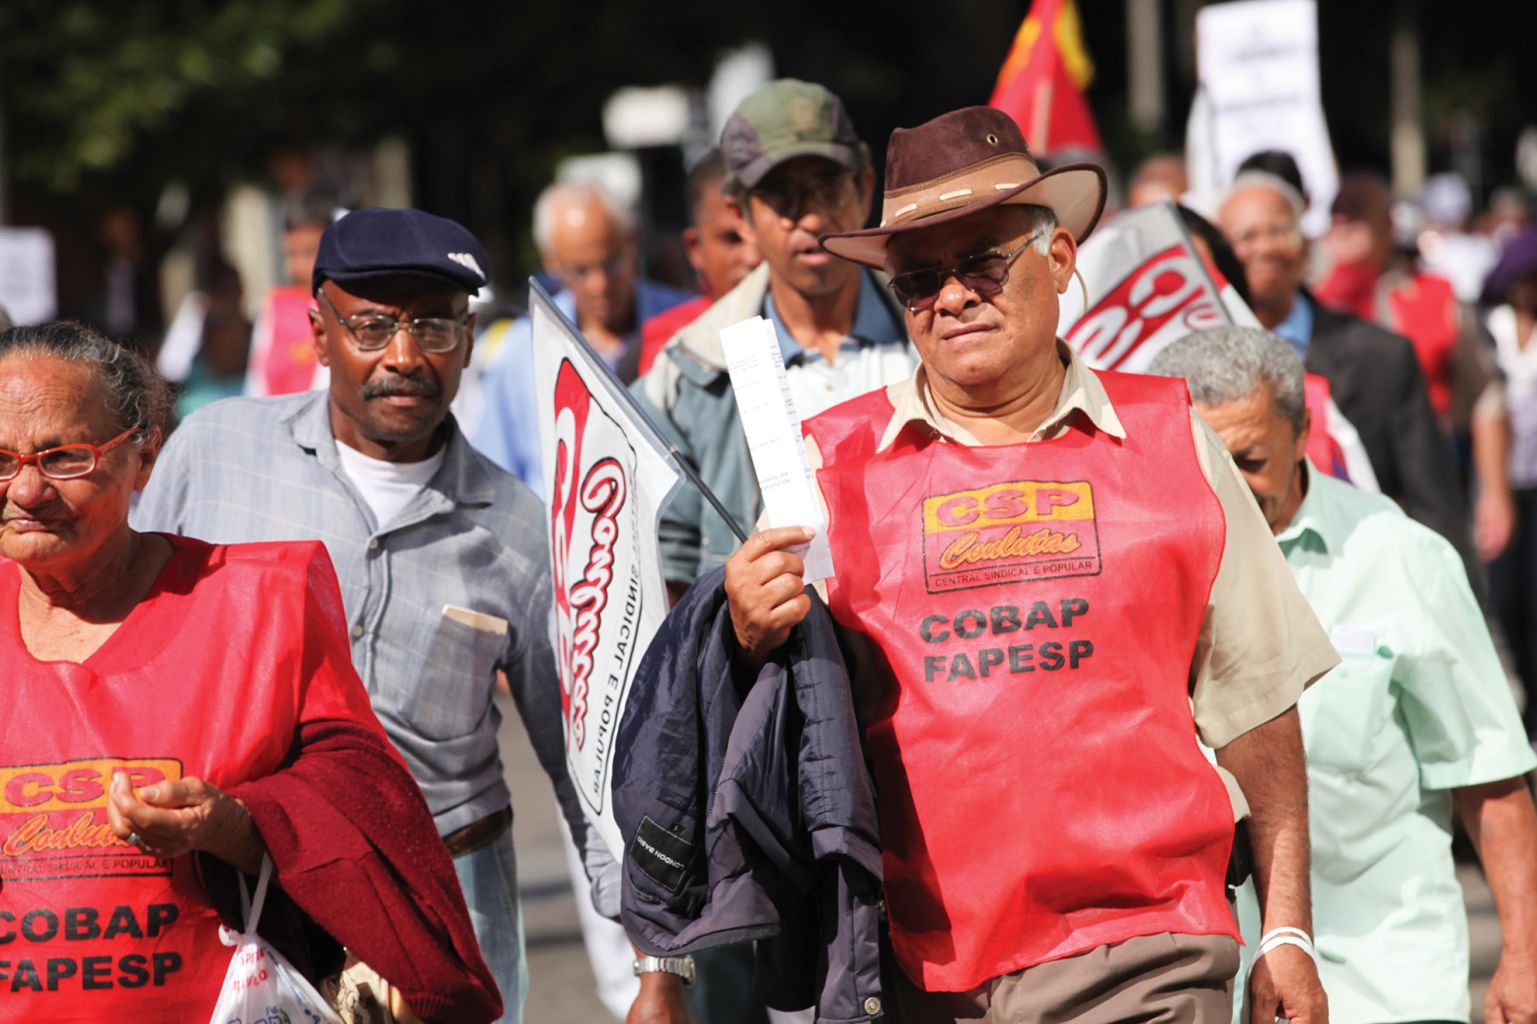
x: 1168, y: 979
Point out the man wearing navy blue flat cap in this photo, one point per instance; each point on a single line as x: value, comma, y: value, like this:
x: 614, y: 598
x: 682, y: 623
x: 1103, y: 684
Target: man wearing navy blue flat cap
x: 441, y: 555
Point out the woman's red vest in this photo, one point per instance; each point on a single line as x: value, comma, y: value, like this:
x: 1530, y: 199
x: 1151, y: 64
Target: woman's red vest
x: 1035, y: 608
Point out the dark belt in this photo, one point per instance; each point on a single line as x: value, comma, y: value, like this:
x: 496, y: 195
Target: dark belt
x: 478, y: 834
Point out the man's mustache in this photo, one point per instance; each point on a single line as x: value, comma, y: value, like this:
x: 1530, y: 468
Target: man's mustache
x: 422, y: 388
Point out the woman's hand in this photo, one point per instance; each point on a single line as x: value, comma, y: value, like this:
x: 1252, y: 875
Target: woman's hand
x: 177, y: 816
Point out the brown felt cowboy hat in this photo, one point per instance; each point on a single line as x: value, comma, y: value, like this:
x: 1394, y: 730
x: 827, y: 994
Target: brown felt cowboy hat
x: 963, y: 162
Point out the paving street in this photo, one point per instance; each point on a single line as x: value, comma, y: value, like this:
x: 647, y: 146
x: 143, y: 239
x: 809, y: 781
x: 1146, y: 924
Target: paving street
x: 561, y: 985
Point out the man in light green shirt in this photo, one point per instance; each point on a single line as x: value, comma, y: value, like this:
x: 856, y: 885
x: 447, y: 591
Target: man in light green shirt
x: 1416, y: 723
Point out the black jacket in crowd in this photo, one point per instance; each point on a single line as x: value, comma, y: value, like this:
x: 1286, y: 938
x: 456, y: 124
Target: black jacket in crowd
x: 1375, y: 379
x: 748, y: 812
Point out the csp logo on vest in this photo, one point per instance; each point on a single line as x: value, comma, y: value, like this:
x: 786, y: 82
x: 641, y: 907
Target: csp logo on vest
x: 53, y: 819
x: 1009, y: 532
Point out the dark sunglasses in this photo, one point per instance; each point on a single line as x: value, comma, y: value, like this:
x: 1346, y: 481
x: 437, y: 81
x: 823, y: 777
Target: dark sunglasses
x: 985, y: 273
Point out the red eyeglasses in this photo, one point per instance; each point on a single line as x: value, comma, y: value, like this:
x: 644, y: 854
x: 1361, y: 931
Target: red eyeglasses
x: 65, y: 462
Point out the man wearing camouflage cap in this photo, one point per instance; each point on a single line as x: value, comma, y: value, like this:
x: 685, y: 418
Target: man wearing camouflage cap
x: 795, y: 170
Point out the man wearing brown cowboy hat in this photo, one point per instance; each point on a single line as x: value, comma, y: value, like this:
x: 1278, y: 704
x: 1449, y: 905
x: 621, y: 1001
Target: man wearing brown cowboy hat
x: 1052, y: 581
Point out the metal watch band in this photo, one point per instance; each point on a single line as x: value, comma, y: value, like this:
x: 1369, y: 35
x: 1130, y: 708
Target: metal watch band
x: 681, y: 966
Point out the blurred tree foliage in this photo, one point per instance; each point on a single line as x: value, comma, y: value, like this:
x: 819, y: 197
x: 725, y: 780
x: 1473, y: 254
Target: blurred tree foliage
x: 102, y: 102
x: 105, y: 101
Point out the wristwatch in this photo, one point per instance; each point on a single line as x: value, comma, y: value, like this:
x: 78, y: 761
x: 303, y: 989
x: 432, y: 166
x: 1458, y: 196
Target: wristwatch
x: 682, y: 966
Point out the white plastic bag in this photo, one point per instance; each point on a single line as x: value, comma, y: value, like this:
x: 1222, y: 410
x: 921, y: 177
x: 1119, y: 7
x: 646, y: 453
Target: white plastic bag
x: 260, y: 986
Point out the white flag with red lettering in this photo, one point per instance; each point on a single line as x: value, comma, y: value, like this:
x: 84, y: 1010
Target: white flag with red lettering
x: 1147, y: 288
x: 608, y: 476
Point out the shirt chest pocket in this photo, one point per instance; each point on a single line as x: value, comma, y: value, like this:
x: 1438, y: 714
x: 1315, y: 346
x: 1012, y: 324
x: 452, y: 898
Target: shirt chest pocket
x: 1347, y: 716
x: 453, y: 695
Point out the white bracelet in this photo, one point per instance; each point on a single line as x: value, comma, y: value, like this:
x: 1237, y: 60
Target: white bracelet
x: 1286, y: 937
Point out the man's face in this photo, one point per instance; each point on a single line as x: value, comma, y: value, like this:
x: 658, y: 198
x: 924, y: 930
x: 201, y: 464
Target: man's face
x: 795, y: 203
x: 716, y: 248
x: 389, y: 403
x: 989, y: 346
x: 1265, y: 448
x: 1267, y: 240
x: 595, y: 259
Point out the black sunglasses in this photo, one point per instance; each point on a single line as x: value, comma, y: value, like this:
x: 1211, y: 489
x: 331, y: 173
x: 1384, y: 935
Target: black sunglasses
x: 985, y: 273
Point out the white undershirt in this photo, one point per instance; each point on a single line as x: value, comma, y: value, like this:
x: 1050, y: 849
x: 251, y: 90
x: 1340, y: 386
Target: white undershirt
x: 388, y: 487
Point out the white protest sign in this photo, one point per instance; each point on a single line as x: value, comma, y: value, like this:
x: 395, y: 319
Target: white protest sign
x: 28, y: 292
x: 607, y: 477
x: 1257, y: 70
x: 773, y: 430
x: 1147, y: 288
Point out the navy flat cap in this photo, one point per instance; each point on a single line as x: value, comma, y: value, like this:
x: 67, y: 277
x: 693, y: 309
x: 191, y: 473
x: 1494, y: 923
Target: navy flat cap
x: 374, y: 242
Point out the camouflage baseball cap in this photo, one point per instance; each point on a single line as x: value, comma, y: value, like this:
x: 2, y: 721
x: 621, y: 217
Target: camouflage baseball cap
x: 785, y: 119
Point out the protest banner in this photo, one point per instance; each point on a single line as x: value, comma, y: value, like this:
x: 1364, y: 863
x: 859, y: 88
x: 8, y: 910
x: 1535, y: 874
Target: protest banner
x: 608, y: 472
x: 1146, y: 286
x: 28, y: 291
x: 1258, y: 88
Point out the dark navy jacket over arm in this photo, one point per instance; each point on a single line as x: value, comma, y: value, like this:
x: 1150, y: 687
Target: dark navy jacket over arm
x: 748, y: 812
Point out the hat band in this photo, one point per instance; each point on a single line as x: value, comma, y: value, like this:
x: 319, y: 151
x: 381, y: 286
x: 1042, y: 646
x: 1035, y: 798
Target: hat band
x: 970, y: 186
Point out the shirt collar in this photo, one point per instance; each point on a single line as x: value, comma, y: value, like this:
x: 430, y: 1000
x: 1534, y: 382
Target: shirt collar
x: 1313, y: 518
x: 1081, y: 391
x: 462, y: 479
x: 874, y: 324
x: 1297, y: 329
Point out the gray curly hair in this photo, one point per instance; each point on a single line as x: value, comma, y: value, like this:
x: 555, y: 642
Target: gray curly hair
x: 1227, y: 364
x: 132, y: 390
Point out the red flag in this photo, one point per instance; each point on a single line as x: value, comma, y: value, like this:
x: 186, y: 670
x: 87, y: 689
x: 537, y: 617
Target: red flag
x: 1041, y: 83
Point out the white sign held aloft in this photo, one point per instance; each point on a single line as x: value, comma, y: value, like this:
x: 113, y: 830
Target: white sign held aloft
x: 1257, y: 72
x: 773, y: 430
x: 28, y: 291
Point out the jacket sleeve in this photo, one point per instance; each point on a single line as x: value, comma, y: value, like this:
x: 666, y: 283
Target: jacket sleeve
x: 679, y: 532
x: 1423, y: 456
x: 355, y: 848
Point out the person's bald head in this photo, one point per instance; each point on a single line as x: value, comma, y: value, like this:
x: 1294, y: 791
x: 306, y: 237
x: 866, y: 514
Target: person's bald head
x: 1262, y: 217
x: 1361, y: 226
x: 1161, y: 176
x: 587, y: 241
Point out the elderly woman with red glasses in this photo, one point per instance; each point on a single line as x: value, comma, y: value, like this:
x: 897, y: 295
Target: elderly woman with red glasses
x: 175, y: 712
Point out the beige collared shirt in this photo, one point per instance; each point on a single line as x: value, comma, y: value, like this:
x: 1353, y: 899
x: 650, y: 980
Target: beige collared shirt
x: 1260, y: 644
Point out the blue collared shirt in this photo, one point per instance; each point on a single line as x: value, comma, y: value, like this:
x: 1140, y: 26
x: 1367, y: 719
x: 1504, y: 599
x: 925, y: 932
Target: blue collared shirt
x: 873, y: 324
x: 1297, y: 329
x: 873, y: 354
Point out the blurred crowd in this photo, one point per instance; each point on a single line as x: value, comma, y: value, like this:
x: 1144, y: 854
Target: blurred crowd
x: 1418, y: 311
x: 1454, y: 273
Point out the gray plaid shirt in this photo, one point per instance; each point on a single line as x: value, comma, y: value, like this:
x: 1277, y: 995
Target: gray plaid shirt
x: 248, y: 469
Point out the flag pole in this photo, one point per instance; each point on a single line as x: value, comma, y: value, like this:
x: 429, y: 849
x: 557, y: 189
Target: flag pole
x: 621, y: 393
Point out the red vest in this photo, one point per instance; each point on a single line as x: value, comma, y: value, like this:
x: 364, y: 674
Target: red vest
x: 1424, y: 308
x: 209, y: 676
x: 1036, y: 608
